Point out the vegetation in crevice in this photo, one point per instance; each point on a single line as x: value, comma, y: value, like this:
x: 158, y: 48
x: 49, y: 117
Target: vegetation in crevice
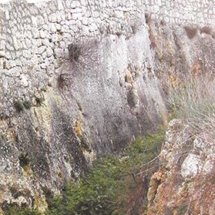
x: 74, y: 52
x: 18, y: 105
x: 112, y: 185
x: 13, y: 209
x: 193, y: 101
x: 21, y: 105
x: 24, y: 160
x: 27, y: 104
x: 64, y: 81
x: 39, y: 101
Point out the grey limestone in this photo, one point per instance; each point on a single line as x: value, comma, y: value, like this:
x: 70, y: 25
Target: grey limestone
x: 114, y: 45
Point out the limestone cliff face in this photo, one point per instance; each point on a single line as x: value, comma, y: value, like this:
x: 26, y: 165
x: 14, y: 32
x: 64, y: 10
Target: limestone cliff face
x: 185, y: 182
x: 181, y: 51
x: 183, y: 56
x: 81, y: 79
x: 76, y: 83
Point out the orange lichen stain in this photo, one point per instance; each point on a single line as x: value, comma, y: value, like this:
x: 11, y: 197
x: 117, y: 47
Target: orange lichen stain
x: 196, y: 69
x: 152, y: 39
x: 39, y: 202
x: 173, y: 80
x: 160, y: 56
x: 78, y: 129
x: 59, y: 173
x: 126, y: 15
x: 27, y: 171
x: 167, y: 46
x: 128, y: 79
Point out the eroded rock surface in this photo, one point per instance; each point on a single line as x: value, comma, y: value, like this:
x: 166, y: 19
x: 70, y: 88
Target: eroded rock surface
x: 81, y: 79
x: 77, y: 82
x: 185, y: 182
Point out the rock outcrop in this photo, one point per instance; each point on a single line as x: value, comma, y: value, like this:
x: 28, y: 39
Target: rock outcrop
x: 77, y: 82
x: 185, y: 182
x: 183, y: 56
x: 81, y: 79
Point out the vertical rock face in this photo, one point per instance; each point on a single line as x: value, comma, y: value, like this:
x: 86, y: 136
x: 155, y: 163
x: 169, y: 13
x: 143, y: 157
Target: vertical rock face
x: 181, y: 52
x: 185, y: 183
x: 183, y: 56
x: 77, y: 82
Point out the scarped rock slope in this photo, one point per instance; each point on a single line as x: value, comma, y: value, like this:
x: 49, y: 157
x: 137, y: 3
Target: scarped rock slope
x: 185, y: 182
x: 81, y: 79
x: 77, y: 82
x: 184, y: 63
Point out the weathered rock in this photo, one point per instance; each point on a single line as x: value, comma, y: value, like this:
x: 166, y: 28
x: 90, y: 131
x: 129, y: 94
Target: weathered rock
x: 106, y: 92
x: 58, y: 98
x: 184, y: 184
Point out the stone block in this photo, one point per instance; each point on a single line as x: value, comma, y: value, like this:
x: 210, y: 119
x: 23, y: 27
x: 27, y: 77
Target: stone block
x: 75, y: 4
x: 55, y: 37
x: 24, y: 80
x: 41, y: 49
x: 52, y: 27
x: 49, y: 52
x: 76, y: 16
x: 26, y: 53
x: 14, y: 72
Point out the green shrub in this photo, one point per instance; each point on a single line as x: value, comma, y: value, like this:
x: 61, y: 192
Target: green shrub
x: 21, y: 105
x: 94, y: 194
x: 109, y: 187
x: 15, y: 210
x: 39, y: 101
x: 18, y: 105
x: 104, y: 189
x: 24, y: 160
x: 182, y: 209
x: 74, y: 52
x: 27, y: 104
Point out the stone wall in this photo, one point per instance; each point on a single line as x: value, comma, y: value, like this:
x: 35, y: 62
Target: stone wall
x: 182, y: 11
x: 35, y: 38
